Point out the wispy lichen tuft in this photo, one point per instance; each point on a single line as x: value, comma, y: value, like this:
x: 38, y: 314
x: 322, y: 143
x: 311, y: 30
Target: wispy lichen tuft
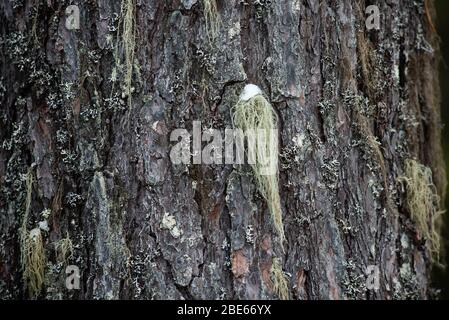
x: 280, y: 281
x: 32, y: 251
x: 423, y: 203
x: 64, y: 249
x: 126, y: 43
x: 212, y: 19
x: 255, y: 114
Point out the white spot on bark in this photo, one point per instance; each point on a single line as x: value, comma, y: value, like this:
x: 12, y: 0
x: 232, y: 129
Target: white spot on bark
x: 298, y: 140
x: 250, y: 90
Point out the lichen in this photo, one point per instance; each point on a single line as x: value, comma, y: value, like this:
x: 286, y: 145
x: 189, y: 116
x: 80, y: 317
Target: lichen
x: 33, y: 261
x: 258, y: 114
x: 212, y: 19
x: 126, y: 41
x: 262, y: 7
x: 169, y: 223
x: 354, y: 282
x: 32, y: 251
x: 423, y: 203
x: 279, y: 279
x: 64, y: 249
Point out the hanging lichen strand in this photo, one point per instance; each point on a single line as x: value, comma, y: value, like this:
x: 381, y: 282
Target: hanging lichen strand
x: 253, y: 113
x: 279, y: 279
x: 212, y: 19
x: 32, y: 251
x: 126, y: 36
x: 423, y: 203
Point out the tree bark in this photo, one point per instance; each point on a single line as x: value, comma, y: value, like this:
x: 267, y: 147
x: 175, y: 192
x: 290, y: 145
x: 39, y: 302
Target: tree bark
x: 90, y: 149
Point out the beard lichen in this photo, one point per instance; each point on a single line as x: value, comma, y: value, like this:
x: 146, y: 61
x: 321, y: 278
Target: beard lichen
x: 279, y: 279
x: 64, y: 249
x: 255, y: 113
x: 126, y: 46
x: 32, y: 251
x: 33, y: 261
x: 212, y: 19
x: 423, y: 204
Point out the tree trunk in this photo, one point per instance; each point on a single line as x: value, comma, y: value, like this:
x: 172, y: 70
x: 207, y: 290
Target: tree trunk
x: 86, y: 117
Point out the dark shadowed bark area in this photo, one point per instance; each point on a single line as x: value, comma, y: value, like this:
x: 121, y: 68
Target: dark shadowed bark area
x: 85, y: 173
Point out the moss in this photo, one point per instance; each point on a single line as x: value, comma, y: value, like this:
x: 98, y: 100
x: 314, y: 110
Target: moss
x: 129, y: 42
x: 249, y: 234
x: 280, y: 281
x: 369, y: 144
x: 17, y: 49
x: 406, y: 287
x: 423, y: 203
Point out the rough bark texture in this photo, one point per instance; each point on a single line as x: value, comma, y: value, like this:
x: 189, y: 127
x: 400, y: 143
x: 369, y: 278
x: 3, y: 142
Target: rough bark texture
x: 353, y: 106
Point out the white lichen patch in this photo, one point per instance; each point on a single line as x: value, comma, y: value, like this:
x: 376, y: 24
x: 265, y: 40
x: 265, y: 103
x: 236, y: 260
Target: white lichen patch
x: 169, y: 223
x: 296, y: 5
x: 234, y: 30
x: 396, y: 73
x: 299, y: 139
x: 249, y: 234
x: 43, y: 225
x: 154, y: 125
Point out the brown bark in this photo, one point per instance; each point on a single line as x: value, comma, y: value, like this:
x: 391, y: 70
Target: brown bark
x: 360, y: 102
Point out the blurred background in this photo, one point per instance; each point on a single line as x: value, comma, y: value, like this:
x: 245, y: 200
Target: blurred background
x: 441, y: 276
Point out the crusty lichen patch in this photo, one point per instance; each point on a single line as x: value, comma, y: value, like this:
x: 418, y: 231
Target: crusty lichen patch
x: 423, y: 203
x: 126, y: 42
x: 169, y: 223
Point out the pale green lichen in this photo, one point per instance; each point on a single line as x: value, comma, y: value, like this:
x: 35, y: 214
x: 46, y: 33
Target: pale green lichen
x: 33, y: 261
x: 32, y: 253
x: 64, y: 249
x: 126, y: 41
x: 212, y: 19
x: 258, y: 114
x: 423, y: 203
x: 279, y: 279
